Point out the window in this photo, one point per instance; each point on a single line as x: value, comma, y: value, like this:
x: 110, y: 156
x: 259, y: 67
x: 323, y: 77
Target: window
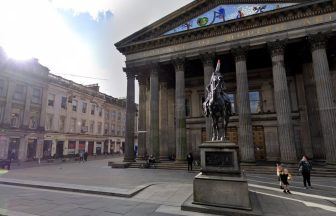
x: 2, y: 87
x: 232, y: 100
x: 106, y: 128
x: 74, y: 105
x: 2, y: 110
x: 92, y: 126
x: 113, y: 129
x: 49, y: 122
x: 19, y: 92
x: 84, y: 128
x: 71, y: 147
x: 64, y: 102
x: 84, y: 106
x: 33, y: 121
x: 118, y: 130
x: 15, y: 119
x: 119, y: 116
x: 99, y: 128
x: 107, y: 115
x: 100, y: 111
x: 62, y: 124
x: 51, y: 100
x: 93, y: 107
x: 255, y: 102
x: 72, y: 125
x: 113, y: 115
x: 36, y: 97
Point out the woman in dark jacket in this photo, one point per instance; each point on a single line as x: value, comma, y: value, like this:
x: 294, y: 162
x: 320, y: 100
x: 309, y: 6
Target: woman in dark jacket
x: 305, y: 168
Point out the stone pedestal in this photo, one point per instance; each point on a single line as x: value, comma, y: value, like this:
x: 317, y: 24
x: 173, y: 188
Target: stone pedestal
x: 220, y: 188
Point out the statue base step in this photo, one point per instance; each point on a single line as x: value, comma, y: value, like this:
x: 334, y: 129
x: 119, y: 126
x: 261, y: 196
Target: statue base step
x: 189, y: 205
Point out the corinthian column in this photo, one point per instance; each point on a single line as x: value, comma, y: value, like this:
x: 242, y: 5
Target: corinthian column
x: 208, y: 67
x: 163, y: 121
x: 245, y: 137
x: 325, y: 95
x: 282, y: 103
x: 180, y: 112
x: 154, y: 111
x: 130, y: 116
x: 142, y: 117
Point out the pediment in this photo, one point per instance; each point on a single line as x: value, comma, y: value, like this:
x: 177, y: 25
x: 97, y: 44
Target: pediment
x: 202, y: 14
x: 227, y: 12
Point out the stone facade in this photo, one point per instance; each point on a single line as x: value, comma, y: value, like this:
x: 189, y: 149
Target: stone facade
x: 279, y: 71
x: 43, y: 115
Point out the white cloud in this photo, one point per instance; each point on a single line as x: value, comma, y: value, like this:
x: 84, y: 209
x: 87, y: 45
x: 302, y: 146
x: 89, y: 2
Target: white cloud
x: 35, y: 29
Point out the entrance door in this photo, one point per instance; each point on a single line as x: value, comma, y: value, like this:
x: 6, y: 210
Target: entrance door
x: 47, y: 145
x: 232, y: 134
x: 31, y: 150
x: 259, y: 143
x: 106, y: 146
x: 90, y: 148
x: 13, y: 148
x: 59, y: 149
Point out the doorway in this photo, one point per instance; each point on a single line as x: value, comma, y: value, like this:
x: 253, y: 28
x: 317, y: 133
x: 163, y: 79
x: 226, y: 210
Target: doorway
x: 59, y: 149
x: 259, y: 143
x: 13, y: 148
x: 31, y: 150
x: 90, y: 147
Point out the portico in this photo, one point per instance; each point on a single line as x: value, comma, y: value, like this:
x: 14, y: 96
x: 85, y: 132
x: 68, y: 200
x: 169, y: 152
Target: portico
x: 279, y: 67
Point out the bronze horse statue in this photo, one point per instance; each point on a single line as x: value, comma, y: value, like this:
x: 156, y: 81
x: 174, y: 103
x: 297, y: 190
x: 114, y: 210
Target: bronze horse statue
x: 217, y: 105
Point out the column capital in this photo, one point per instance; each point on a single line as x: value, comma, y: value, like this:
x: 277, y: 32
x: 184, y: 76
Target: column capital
x: 207, y: 59
x: 179, y: 63
x: 130, y: 73
x: 317, y: 41
x: 240, y: 53
x: 277, y: 47
x: 142, y: 79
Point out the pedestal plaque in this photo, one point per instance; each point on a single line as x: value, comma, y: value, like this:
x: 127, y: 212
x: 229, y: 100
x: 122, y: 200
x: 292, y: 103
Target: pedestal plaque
x: 221, y: 188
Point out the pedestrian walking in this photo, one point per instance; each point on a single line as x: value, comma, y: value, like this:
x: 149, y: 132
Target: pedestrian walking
x: 190, y: 160
x: 81, y: 156
x: 279, y: 170
x: 86, y: 156
x: 305, y: 168
x: 285, y: 176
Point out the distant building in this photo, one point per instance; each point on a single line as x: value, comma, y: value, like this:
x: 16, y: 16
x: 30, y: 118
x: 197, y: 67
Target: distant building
x: 80, y: 118
x: 23, y: 101
x: 43, y: 115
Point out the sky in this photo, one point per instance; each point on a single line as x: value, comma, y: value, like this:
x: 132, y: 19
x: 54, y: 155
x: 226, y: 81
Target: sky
x: 75, y: 38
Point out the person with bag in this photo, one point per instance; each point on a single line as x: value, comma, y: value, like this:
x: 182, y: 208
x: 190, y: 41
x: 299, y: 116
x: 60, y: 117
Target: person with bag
x: 305, y: 168
x: 285, y: 176
x: 279, y: 170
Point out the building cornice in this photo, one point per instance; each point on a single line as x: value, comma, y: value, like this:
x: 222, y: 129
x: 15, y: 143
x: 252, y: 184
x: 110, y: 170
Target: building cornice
x: 300, y: 11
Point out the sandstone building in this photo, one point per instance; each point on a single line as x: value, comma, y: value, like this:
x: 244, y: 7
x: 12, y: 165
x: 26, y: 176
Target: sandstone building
x: 43, y: 115
x: 278, y: 61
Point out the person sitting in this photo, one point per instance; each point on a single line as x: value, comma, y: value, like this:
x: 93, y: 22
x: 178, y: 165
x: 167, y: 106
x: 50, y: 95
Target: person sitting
x: 151, y: 161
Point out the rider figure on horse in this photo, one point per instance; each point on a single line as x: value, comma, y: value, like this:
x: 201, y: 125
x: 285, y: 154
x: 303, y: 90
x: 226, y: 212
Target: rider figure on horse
x: 216, y: 81
x: 217, y: 104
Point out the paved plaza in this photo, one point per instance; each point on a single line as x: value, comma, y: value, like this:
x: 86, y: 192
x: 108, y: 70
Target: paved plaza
x: 163, y: 192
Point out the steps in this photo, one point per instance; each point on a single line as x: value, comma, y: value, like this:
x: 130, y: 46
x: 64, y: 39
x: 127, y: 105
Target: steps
x: 320, y: 171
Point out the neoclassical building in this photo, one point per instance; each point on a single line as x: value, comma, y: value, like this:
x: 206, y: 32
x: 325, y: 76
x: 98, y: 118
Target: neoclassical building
x: 278, y: 62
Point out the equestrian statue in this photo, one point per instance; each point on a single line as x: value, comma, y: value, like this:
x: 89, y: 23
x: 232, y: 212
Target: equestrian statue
x: 217, y: 105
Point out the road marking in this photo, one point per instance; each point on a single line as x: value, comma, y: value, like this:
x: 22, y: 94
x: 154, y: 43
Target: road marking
x: 293, y: 181
x: 310, y: 204
x: 296, y: 193
x: 6, y: 212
